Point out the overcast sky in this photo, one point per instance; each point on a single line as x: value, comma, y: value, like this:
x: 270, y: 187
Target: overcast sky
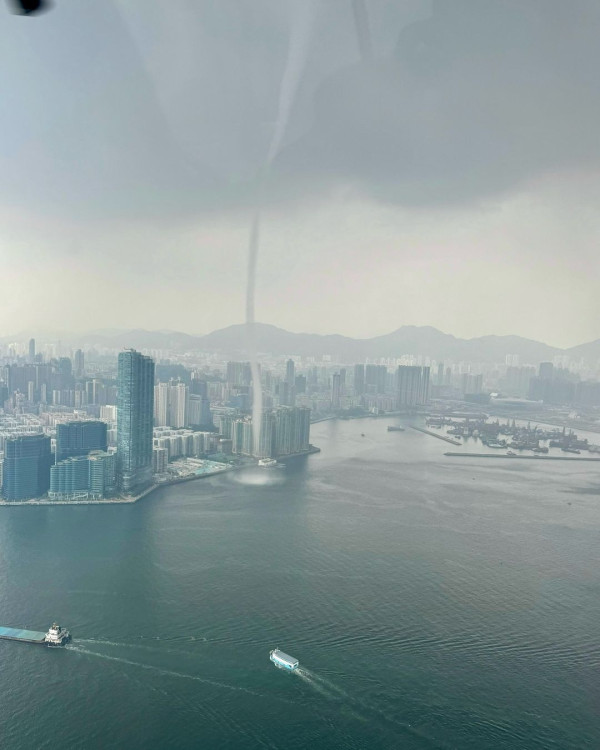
x: 453, y: 180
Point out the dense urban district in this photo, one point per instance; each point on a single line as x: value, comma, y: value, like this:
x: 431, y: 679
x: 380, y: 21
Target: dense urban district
x: 102, y: 425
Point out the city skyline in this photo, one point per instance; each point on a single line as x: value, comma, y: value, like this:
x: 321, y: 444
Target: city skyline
x: 416, y: 340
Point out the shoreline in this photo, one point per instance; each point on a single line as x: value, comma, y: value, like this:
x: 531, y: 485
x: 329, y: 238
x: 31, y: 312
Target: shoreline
x: 131, y: 499
x: 123, y: 500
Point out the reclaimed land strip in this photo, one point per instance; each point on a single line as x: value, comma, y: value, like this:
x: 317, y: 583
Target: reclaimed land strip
x: 123, y: 500
x: 439, y: 437
x: 529, y: 458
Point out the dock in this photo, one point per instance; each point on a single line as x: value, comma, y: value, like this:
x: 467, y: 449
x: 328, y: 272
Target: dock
x: 25, y: 636
x: 537, y: 457
x: 436, y: 435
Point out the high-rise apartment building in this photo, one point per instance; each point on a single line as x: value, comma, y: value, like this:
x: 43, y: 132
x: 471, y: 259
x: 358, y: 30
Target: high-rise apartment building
x: 300, y: 383
x: 413, y: 385
x: 375, y: 378
x: 288, y: 387
x: 84, y: 477
x: 26, y: 468
x: 161, y: 404
x: 199, y: 414
x: 239, y: 373
x: 335, y: 390
x: 78, y: 438
x: 290, y: 372
x: 292, y: 430
x: 440, y: 374
x: 171, y: 405
x: 79, y: 364
x: 179, y: 396
x: 284, y: 431
x: 135, y: 402
x: 359, y: 380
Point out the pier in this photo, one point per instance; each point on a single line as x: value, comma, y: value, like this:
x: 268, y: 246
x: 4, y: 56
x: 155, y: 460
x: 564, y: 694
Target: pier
x: 537, y: 457
x: 439, y: 437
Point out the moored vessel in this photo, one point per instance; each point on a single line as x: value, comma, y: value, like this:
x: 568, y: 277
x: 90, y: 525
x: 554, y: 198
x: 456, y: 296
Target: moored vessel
x: 284, y: 661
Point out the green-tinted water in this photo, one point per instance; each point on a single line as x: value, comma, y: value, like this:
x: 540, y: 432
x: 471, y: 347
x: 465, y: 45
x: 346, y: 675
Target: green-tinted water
x: 432, y: 603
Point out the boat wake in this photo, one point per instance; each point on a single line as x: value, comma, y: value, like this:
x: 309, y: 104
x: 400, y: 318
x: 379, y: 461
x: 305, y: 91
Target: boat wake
x: 160, y: 670
x: 332, y: 692
x: 321, y: 685
x: 351, y: 705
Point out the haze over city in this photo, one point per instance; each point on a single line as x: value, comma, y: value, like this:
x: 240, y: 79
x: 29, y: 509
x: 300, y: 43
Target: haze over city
x: 299, y: 374
x: 133, y: 181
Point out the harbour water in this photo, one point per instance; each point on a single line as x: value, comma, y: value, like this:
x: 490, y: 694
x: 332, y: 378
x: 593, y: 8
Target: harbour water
x: 432, y: 603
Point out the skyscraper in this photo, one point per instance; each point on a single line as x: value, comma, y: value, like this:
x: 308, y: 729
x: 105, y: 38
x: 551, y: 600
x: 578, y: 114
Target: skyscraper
x: 413, y: 385
x: 179, y: 397
x: 359, y: 380
x: 26, y: 469
x: 289, y: 390
x: 290, y: 372
x: 161, y: 404
x: 375, y: 378
x: 79, y: 364
x: 440, y: 374
x: 31, y: 351
x: 335, y: 390
x: 135, y: 403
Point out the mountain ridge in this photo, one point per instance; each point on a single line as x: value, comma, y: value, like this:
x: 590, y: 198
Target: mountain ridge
x: 416, y: 340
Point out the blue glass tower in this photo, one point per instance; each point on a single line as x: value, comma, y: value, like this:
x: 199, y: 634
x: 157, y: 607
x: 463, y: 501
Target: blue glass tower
x: 26, y: 470
x: 135, y: 411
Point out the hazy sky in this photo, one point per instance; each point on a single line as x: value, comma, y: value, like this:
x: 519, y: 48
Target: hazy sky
x: 451, y: 181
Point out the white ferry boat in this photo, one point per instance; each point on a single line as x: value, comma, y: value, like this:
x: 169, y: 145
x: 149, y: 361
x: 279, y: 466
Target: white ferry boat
x: 283, y: 661
x: 57, y: 636
x: 268, y: 463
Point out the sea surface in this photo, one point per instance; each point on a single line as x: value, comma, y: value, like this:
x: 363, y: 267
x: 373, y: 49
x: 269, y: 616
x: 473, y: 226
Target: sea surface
x: 433, y: 602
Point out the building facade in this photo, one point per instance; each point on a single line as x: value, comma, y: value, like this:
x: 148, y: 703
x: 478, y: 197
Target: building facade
x: 26, y: 468
x: 90, y: 477
x: 135, y: 407
x: 413, y: 385
x: 78, y: 438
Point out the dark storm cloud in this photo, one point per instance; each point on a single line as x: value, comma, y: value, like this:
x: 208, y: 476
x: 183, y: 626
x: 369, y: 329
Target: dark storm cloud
x: 478, y: 98
x: 163, y: 110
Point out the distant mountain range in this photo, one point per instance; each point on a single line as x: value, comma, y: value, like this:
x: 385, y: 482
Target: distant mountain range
x: 424, y: 340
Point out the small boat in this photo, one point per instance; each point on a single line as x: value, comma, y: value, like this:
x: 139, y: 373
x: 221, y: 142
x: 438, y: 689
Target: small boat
x: 283, y: 661
x: 362, y: 434
x: 57, y: 636
x: 268, y: 463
